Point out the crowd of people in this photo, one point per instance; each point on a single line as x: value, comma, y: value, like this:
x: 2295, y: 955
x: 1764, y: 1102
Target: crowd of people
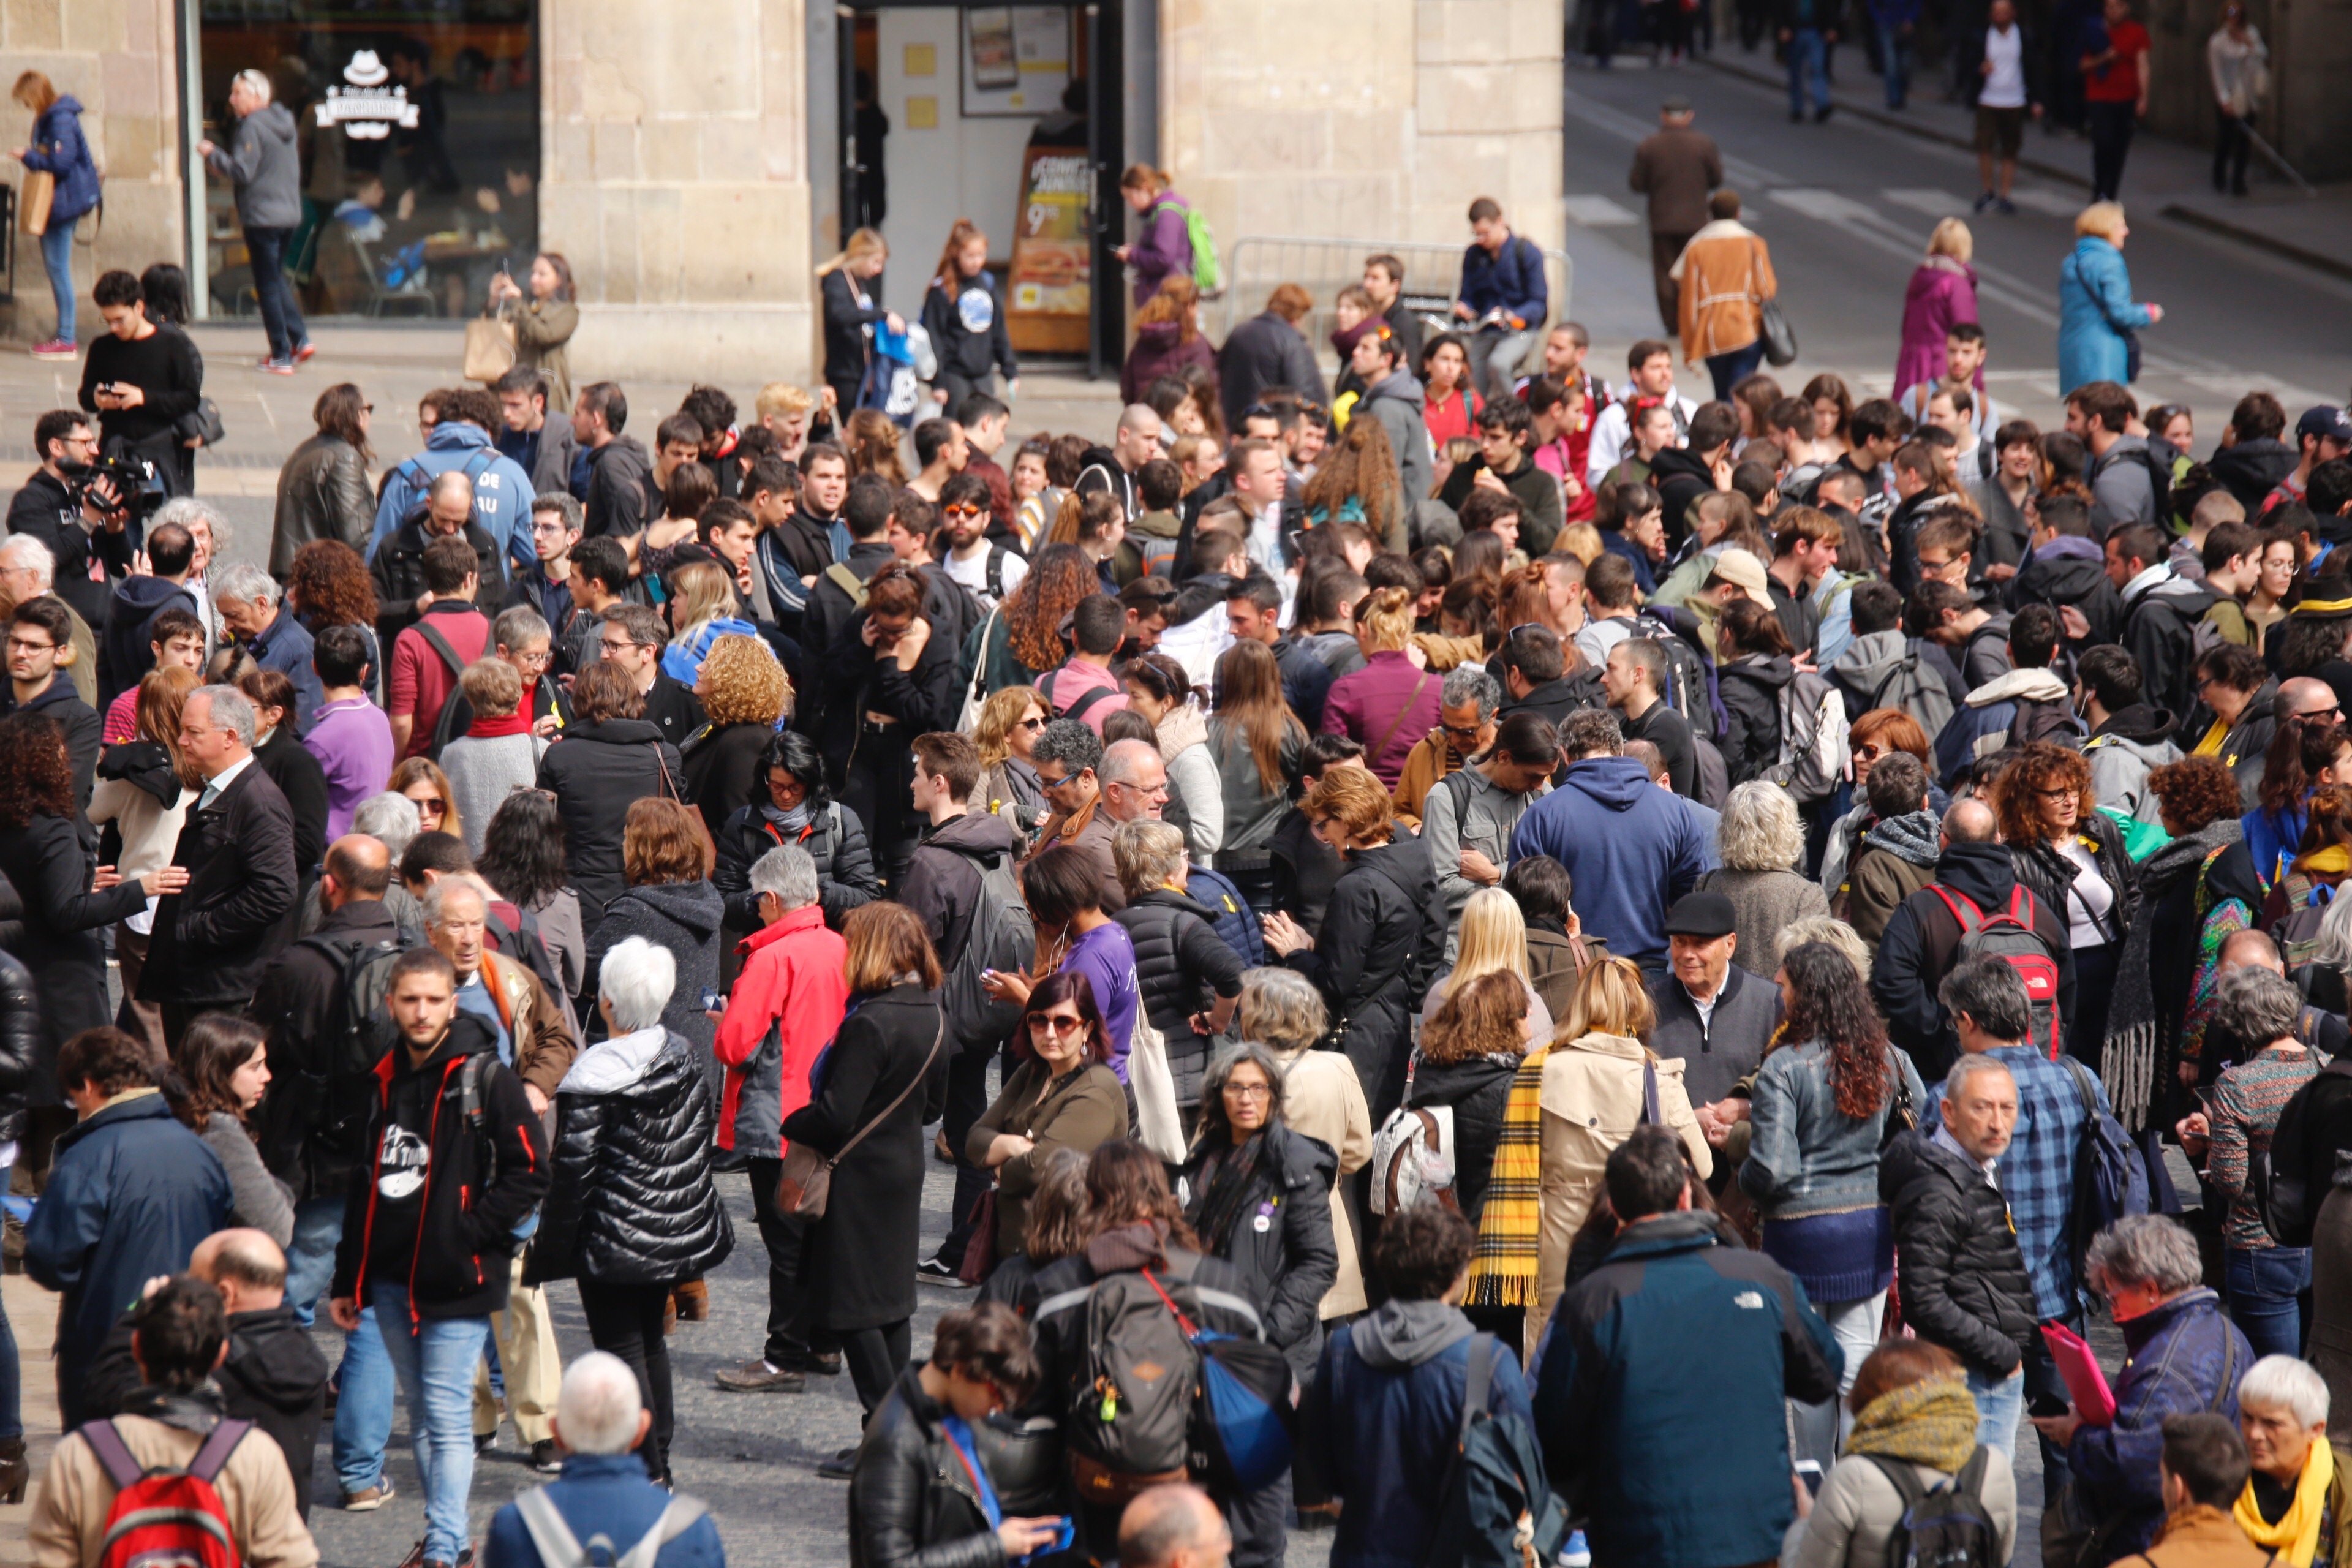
x: 1467, y: 937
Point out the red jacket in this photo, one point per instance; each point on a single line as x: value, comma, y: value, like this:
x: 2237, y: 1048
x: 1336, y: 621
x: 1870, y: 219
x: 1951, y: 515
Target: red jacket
x: 793, y: 989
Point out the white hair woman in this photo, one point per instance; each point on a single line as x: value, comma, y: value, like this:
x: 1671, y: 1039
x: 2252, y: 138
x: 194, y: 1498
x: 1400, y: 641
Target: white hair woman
x: 1322, y: 1097
x: 2296, y: 1489
x: 1762, y: 843
x: 633, y: 1211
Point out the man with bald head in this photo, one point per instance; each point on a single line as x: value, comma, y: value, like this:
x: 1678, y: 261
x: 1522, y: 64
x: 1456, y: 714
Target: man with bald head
x: 273, y: 1377
x: 1974, y: 881
x: 1173, y: 1527
x: 1112, y: 469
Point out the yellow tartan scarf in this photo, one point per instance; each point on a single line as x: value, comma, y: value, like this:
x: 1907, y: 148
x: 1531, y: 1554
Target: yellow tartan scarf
x: 1503, y: 1268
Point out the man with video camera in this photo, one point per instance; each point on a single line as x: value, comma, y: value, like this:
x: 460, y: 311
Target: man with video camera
x: 80, y: 515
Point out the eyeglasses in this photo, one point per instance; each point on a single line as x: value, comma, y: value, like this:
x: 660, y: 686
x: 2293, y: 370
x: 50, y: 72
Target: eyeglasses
x: 2060, y: 793
x: 1031, y: 724
x: 1870, y: 752
x: 1055, y: 1023
x: 1248, y: 1090
x: 1460, y: 731
x: 18, y: 645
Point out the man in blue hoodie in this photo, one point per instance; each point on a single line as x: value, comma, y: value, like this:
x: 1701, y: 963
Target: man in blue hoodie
x: 502, y: 491
x: 1630, y: 847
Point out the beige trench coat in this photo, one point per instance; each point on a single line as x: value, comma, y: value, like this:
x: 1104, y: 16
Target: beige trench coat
x: 1321, y: 1099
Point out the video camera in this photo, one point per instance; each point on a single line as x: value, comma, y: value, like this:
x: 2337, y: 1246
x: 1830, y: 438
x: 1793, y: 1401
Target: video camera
x: 135, y: 484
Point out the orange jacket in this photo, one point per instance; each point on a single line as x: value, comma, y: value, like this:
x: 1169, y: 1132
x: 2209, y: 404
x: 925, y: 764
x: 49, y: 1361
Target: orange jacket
x: 1725, y: 274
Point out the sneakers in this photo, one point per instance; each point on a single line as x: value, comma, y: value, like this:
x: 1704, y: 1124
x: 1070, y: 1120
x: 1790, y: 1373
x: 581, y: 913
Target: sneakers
x: 302, y: 355
x: 275, y: 366
x: 2005, y: 207
x: 1985, y: 200
x: 931, y: 1272
x: 759, y: 1377
x: 841, y: 1466
x: 373, y: 1498
x: 56, y: 348
x: 545, y: 1459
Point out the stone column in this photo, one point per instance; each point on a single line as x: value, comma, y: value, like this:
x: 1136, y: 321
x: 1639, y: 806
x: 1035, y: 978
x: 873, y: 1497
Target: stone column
x: 677, y: 186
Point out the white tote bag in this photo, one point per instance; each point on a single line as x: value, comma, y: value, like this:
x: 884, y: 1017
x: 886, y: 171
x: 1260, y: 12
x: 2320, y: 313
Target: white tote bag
x: 1159, y: 1125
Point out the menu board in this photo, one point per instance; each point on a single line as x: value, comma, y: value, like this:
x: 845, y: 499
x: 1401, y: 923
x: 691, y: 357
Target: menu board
x: 1052, y: 275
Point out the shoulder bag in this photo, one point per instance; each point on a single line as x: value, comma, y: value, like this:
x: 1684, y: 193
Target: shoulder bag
x: 806, y: 1181
x: 1780, y: 337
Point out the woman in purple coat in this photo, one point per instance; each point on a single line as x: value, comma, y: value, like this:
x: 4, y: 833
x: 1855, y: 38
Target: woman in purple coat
x: 1165, y: 250
x: 1943, y: 293
x: 1168, y: 341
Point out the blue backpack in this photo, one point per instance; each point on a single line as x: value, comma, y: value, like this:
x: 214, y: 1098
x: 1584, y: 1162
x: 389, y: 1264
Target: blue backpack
x: 2110, y: 1176
x: 1496, y: 1497
x: 1235, y: 921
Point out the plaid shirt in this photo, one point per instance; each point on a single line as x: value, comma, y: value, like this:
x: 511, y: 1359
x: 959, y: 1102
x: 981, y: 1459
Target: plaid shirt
x: 2037, y: 1174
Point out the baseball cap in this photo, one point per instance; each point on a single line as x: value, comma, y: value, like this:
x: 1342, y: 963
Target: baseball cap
x: 1703, y: 915
x: 1741, y: 569
x: 1675, y: 106
x: 2326, y: 421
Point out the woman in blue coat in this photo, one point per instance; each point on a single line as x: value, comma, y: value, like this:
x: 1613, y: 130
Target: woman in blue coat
x: 2096, y: 314
x: 59, y: 148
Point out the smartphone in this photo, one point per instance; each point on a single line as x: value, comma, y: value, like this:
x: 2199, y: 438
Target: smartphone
x: 1810, y: 1472
x: 712, y: 1001
x: 2046, y: 1405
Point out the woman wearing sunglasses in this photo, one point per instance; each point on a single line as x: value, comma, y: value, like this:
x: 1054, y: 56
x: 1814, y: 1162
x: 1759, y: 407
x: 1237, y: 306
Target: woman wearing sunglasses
x: 1062, y: 1095
x: 1010, y: 723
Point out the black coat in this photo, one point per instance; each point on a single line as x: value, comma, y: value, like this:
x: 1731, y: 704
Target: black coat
x: 722, y: 770
x: 303, y: 783
x: 2048, y: 874
x: 213, y: 939
x: 45, y: 509
x: 299, y: 1003
x: 632, y: 1201
x: 1751, y: 690
x: 911, y: 1503
x: 48, y: 861
x: 1289, y: 1262
x: 598, y: 771
x: 874, y: 1223
x: 618, y: 502
x: 835, y: 839
x: 672, y: 708
x: 1264, y: 350
x: 274, y: 1377
x: 1305, y: 870
x: 1180, y: 959
x: 846, y: 344
x: 1476, y: 1088
x: 399, y: 572
x: 1964, y: 1281
x: 1374, y: 959
x: 20, y: 1041
x: 682, y: 917
x: 927, y: 698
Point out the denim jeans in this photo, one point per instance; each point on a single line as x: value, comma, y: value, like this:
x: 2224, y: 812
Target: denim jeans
x: 1495, y: 356
x: 281, y: 318
x: 1729, y: 370
x: 2001, y: 1401
x: 1895, y: 64
x: 1808, y: 70
x: 310, y: 1256
x: 2265, y: 1285
x: 57, y: 255
x: 435, y: 1359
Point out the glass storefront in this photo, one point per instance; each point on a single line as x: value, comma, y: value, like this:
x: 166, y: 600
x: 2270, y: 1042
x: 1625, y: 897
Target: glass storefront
x: 419, y: 128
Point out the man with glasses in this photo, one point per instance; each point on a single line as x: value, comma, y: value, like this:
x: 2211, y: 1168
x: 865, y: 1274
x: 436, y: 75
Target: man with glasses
x: 41, y: 647
x: 525, y: 642
x: 1467, y: 817
x: 87, y: 529
x: 1065, y: 756
x: 25, y: 574
x: 632, y: 637
x: 988, y: 570
x: 1465, y: 728
x: 545, y: 586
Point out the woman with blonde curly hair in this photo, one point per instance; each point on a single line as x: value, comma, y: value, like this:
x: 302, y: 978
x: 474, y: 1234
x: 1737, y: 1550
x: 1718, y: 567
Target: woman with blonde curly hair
x: 745, y: 695
x: 1600, y: 1082
x: 2070, y: 855
x: 145, y: 790
x: 1010, y: 723
x: 1762, y: 842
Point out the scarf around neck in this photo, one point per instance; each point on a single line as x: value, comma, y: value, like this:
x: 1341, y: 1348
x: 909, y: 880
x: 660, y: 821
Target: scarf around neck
x: 1503, y: 1268
x: 482, y: 729
x: 1232, y: 1178
x: 1932, y: 1423
x: 2296, y: 1537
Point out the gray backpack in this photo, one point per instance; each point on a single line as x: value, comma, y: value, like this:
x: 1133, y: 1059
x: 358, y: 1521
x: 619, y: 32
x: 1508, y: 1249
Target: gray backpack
x: 1003, y: 937
x: 559, y: 1548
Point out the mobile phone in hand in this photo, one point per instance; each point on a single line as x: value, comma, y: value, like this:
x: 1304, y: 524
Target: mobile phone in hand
x: 2046, y: 1406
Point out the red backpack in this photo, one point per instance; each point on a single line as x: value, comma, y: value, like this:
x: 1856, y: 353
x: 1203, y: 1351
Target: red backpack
x: 2010, y: 936
x: 164, y: 1518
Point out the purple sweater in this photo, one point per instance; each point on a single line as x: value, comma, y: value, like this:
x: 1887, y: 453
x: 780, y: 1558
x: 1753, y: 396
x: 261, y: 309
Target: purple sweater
x: 353, y: 741
x: 1106, y: 958
x: 1388, y: 697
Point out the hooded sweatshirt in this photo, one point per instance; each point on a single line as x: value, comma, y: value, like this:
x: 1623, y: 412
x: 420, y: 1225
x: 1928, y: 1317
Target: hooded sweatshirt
x: 2069, y: 571
x: 1396, y: 1335
x: 1985, y: 722
x: 2122, y: 751
x: 1631, y: 847
x: 125, y: 652
x: 1397, y: 402
x: 261, y: 161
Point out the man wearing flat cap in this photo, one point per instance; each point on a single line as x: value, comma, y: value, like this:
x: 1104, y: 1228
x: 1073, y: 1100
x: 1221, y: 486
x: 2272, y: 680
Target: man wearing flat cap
x: 1712, y: 1014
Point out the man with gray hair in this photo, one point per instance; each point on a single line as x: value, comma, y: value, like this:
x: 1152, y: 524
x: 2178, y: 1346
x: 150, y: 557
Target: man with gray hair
x: 1134, y: 782
x: 253, y: 607
x: 1964, y: 1284
x: 600, y: 1419
x: 213, y: 940
x: 262, y: 162
x: 793, y: 988
x: 1068, y: 755
x: 1465, y: 728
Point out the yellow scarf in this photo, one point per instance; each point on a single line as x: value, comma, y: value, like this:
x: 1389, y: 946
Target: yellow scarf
x: 2296, y: 1537
x: 1503, y: 1268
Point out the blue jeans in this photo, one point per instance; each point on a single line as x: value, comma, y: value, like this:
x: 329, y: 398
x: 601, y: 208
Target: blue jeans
x: 2265, y: 1285
x: 2000, y: 1404
x: 1808, y: 70
x: 281, y: 318
x: 1729, y: 370
x: 310, y: 1256
x: 435, y: 1359
x: 1895, y: 64
x: 365, y: 1382
x: 57, y: 255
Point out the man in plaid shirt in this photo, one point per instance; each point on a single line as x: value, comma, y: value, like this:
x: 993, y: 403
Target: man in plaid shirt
x: 2037, y: 1176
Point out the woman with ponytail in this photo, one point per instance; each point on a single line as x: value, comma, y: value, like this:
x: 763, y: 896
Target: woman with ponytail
x: 1392, y: 702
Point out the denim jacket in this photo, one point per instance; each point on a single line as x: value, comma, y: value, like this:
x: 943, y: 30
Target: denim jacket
x: 1804, y: 1155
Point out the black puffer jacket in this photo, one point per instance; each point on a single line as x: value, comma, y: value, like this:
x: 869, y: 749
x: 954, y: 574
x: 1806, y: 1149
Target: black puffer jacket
x: 632, y: 1201
x: 1282, y: 1244
x: 600, y: 769
x: 1964, y: 1281
x: 399, y: 572
x: 1382, y: 939
x: 912, y: 1504
x: 1476, y: 1089
x: 835, y: 839
x: 1179, y: 961
x: 20, y: 1041
x: 1751, y: 687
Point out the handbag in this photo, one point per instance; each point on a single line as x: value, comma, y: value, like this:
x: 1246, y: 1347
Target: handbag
x: 489, y: 349
x: 203, y: 428
x: 1780, y: 337
x: 33, y: 199
x: 979, y: 1259
x: 1158, y: 1124
x: 975, y: 696
x: 806, y: 1180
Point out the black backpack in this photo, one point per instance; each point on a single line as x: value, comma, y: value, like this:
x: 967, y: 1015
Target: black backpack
x: 1002, y: 936
x: 1688, y: 690
x: 343, y: 1098
x: 1494, y: 1494
x: 1947, y: 1528
x: 2277, y: 1181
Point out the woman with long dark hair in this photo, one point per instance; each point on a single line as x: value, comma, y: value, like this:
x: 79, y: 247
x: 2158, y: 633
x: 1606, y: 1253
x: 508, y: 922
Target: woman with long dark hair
x: 789, y: 805
x: 1258, y: 745
x: 522, y: 861
x: 223, y: 1065
x: 323, y: 489
x: 889, y: 679
x: 1168, y: 340
x: 1357, y: 482
x: 2070, y: 855
x: 1817, y: 1120
x: 1062, y: 1096
x: 2308, y: 753
x: 1754, y: 666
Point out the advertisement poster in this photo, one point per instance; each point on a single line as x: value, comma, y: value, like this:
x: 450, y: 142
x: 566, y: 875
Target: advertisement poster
x: 1052, y: 280
x: 994, y: 65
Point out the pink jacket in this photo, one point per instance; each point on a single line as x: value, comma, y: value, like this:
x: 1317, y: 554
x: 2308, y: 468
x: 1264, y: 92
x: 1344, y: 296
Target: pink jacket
x: 1386, y: 706
x: 1943, y: 293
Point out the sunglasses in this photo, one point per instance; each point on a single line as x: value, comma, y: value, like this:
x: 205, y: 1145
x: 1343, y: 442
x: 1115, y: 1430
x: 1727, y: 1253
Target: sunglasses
x: 1055, y: 1023
x: 1032, y: 724
x: 959, y: 510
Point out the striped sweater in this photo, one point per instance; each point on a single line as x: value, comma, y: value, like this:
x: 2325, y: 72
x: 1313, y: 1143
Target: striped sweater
x: 2245, y: 1112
